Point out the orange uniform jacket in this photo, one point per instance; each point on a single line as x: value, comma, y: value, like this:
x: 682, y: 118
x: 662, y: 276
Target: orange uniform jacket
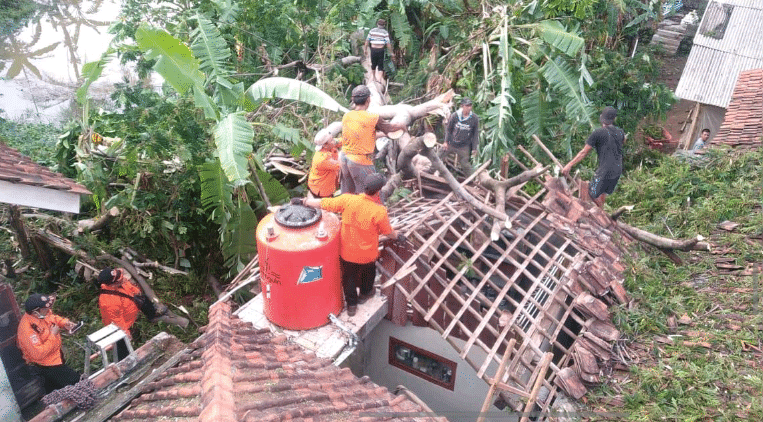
x: 359, y: 135
x: 120, y: 310
x: 363, y: 220
x: 323, y: 173
x: 38, y: 345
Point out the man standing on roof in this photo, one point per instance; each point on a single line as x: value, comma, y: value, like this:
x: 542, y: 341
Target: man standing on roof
x: 119, y: 302
x: 324, y: 171
x: 39, y: 338
x: 608, y: 141
x: 363, y: 220
x: 377, y: 39
x: 462, y: 136
x: 359, y: 139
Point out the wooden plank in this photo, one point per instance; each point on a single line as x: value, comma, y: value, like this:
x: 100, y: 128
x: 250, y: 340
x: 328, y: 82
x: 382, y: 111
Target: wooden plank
x: 494, y: 383
x: 520, y: 269
x: 528, y: 155
x: 536, y: 388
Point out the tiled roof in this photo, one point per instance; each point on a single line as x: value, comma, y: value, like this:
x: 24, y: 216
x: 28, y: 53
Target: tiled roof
x: 743, y: 124
x: 237, y: 373
x: 17, y: 168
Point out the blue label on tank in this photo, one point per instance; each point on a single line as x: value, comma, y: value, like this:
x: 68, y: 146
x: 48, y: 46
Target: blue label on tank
x: 310, y: 274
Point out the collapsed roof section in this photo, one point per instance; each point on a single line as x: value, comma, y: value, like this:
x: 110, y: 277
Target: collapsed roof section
x: 540, y: 289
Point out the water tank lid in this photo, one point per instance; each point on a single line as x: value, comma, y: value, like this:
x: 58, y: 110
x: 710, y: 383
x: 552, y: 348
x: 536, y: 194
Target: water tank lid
x: 297, y: 216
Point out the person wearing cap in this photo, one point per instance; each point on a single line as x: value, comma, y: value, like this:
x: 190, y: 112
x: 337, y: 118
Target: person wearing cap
x: 364, y: 218
x: 39, y: 339
x: 608, y: 142
x: 118, y: 303
x: 462, y: 136
x: 324, y: 170
x: 377, y: 39
x: 359, y: 128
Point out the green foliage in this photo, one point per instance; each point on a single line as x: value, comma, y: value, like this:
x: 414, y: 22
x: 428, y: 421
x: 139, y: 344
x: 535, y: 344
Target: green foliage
x: 35, y: 140
x: 290, y: 89
x: 14, y: 14
x: 174, y: 60
x: 233, y: 137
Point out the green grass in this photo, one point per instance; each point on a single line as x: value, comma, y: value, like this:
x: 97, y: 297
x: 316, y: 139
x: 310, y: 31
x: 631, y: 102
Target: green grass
x: 710, y: 369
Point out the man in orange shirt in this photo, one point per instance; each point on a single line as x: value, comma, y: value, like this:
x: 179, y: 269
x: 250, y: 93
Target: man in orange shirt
x: 359, y: 139
x: 118, y: 301
x: 364, y: 218
x: 324, y: 171
x: 39, y: 338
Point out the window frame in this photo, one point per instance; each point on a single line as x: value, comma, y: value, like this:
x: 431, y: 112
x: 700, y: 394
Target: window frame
x: 393, y: 342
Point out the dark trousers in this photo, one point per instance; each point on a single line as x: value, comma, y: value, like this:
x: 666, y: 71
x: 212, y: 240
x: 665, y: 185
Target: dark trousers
x: 356, y: 276
x: 463, y: 157
x: 56, y: 377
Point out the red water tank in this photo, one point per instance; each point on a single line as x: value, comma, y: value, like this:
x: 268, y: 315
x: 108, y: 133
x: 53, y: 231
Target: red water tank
x: 298, y: 250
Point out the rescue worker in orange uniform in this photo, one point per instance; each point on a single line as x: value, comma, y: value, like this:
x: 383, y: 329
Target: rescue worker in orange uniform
x: 117, y: 302
x: 324, y: 171
x: 364, y: 218
x: 359, y: 128
x: 39, y: 339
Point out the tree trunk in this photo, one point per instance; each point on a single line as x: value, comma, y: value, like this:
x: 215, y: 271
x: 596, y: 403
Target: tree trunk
x: 17, y: 224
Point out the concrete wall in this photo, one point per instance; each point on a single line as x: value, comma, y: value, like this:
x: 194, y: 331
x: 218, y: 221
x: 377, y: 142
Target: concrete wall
x: 460, y: 405
x: 9, y: 409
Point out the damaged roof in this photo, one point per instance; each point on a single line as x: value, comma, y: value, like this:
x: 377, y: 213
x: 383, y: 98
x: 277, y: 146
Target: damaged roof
x: 236, y: 373
x: 539, y: 290
x: 743, y: 123
x: 18, y: 168
x: 721, y: 49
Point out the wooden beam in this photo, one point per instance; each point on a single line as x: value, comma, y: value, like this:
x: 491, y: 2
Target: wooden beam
x: 498, y: 377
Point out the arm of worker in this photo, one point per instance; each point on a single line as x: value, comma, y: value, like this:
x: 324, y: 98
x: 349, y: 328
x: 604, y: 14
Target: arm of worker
x: 310, y: 202
x: 387, y: 127
x: 62, y: 322
x: 578, y: 158
x: 476, y: 139
x: 39, y: 347
x: 449, y: 131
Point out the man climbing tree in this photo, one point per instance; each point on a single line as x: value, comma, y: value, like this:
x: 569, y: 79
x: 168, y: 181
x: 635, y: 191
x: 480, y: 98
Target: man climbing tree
x: 377, y: 39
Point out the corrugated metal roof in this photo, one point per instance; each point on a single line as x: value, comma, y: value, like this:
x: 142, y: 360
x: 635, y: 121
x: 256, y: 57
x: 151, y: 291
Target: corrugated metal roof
x: 728, y: 41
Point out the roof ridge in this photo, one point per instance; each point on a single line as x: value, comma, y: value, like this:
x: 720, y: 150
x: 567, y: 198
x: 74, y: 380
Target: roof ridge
x: 216, y: 380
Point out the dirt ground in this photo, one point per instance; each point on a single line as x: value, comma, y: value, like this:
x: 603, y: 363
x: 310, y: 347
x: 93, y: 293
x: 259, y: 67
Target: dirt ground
x: 671, y: 69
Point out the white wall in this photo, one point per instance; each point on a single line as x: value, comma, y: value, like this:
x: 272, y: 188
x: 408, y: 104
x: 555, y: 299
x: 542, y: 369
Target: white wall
x: 9, y: 409
x: 460, y: 405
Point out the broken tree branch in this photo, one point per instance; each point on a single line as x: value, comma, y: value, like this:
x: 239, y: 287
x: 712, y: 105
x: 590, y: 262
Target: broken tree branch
x: 85, y: 226
x: 659, y: 241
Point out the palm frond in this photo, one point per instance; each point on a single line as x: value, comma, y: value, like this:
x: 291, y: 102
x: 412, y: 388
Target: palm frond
x: 239, y: 245
x: 536, y: 113
x: 554, y: 33
x: 212, y: 51
x: 233, y: 137
x: 215, y: 191
x: 560, y: 75
x: 289, y: 89
x: 174, y: 60
x: 91, y: 72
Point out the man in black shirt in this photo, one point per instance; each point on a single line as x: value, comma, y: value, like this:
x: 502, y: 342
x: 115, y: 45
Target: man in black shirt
x: 608, y: 141
x: 462, y: 136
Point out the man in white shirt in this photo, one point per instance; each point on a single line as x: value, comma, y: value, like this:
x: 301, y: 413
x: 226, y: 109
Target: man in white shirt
x: 377, y: 39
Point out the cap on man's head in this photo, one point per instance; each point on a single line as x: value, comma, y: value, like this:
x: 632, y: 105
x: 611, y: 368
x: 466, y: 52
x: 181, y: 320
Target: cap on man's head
x: 608, y: 115
x: 466, y: 101
x: 37, y: 301
x: 360, y: 94
x: 373, y: 183
x: 108, y: 275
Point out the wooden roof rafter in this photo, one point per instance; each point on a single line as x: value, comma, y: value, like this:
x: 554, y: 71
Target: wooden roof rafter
x: 464, y: 285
